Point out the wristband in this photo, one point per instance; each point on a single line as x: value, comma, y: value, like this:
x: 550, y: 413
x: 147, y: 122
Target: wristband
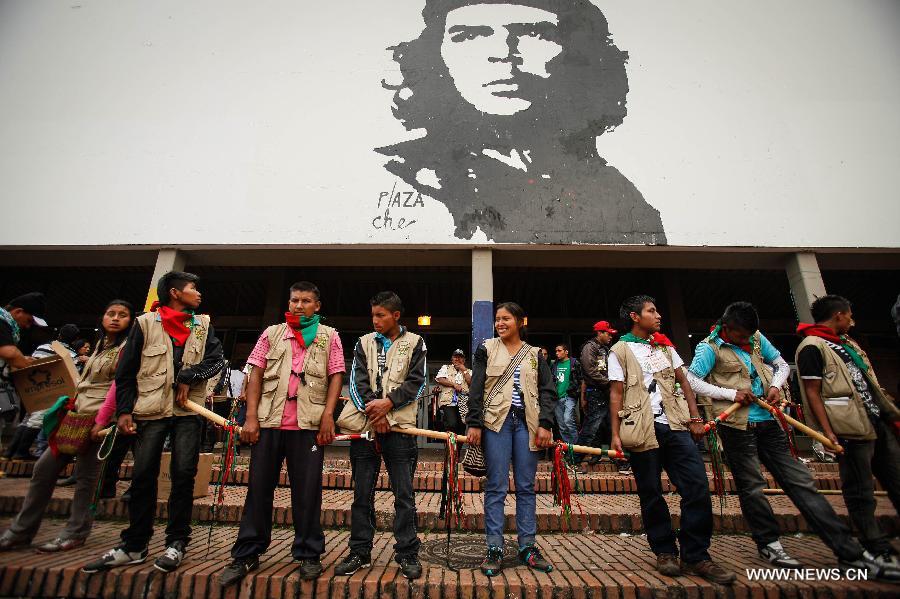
x: 698, y: 419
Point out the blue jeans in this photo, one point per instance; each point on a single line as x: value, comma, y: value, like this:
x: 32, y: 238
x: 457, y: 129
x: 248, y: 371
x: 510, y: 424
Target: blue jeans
x: 502, y: 449
x: 565, y: 418
x: 678, y: 455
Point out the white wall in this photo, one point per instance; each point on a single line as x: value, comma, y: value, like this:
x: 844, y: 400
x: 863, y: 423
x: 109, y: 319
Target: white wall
x: 759, y: 123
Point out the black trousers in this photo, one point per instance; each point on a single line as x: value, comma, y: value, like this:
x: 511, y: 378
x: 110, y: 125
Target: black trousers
x: 765, y: 442
x: 400, y: 455
x: 305, y: 462
x: 678, y: 455
x: 148, y: 448
x: 861, y: 460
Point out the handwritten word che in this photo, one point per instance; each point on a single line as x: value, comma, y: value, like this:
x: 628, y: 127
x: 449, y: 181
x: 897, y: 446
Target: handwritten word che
x: 396, y: 199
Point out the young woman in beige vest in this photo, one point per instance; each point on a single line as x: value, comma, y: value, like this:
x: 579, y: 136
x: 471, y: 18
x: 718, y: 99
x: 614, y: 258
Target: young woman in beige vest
x: 96, y: 379
x: 846, y: 402
x: 512, y: 423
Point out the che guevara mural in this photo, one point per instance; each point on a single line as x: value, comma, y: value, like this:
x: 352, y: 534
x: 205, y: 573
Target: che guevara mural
x: 511, y: 96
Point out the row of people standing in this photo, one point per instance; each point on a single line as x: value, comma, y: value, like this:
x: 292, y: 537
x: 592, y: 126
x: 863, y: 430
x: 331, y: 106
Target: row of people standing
x: 292, y: 399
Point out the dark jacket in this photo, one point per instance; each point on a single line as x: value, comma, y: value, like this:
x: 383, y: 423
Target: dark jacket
x: 575, y: 376
x: 594, y: 364
x: 412, y: 388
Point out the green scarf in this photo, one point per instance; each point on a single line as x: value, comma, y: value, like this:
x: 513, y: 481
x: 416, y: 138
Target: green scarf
x: 54, y: 415
x: 308, y: 328
x: 631, y: 337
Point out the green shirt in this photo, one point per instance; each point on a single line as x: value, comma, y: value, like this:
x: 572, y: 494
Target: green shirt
x: 563, y: 373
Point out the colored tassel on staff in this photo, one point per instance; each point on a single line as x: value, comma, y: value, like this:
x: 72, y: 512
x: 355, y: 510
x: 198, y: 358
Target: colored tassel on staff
x: 226, y: 467
x: 563, y: 457
x: 454, y: 510
x: 717, y: 464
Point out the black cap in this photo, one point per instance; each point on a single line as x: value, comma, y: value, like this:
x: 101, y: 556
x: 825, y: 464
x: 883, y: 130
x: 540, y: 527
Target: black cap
x: 34, y: 303
x: 459, y: 352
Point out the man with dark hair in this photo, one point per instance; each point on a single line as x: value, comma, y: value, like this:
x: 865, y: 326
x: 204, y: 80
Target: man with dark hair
x: 387, y: 380
x: 285, y: 421
x: 170, y: 354
x: 654, y: 415
x: 844, y: 400
x: 567, y: 373
x: 512, y: 96
x: 595, y: 391
x: 733, y: 365
x: 21, y: 313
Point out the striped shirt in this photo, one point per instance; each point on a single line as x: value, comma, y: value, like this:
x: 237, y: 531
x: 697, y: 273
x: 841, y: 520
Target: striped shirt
x: 517, y: 389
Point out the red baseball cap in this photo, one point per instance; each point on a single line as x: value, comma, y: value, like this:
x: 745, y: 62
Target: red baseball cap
x: 604, y: 326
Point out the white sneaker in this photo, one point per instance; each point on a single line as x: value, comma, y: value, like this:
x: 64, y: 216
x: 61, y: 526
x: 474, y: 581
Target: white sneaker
x: 171, y: 559
x: 115, y: 557
x: 777, y: 556
x: 877, y: 567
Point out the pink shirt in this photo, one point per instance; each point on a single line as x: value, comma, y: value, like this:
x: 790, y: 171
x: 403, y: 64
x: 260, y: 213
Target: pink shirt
x: 298, y: 353
x: 108, y: 409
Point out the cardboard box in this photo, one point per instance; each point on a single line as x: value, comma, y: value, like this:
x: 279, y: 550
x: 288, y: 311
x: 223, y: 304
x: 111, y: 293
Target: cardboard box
x: 201, y: 482
x: 45, y: 380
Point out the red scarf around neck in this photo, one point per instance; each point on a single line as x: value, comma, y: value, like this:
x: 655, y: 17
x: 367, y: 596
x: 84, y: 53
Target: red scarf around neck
x: 660, y: 339
x: 173, y: 323
x: 818, y: 330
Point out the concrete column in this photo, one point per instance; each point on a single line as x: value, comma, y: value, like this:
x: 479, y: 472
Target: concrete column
x: 677, y: 316
x: 166, y: 260
x: 806, y: 283
x: 482, y: 296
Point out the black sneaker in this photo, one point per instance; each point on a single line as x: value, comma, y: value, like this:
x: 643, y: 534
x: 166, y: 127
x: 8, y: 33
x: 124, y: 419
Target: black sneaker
x: 352, y: 563
x: 410, y: 566
x: 237, y: 569
x: 493, y: 563
x: 172, y: 558
x: 531, y: 557
x: 310, y: 569
x: 115, y: 557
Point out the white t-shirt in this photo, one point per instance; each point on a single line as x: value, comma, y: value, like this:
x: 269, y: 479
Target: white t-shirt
x: 455, y: 377
x: 647, y: 356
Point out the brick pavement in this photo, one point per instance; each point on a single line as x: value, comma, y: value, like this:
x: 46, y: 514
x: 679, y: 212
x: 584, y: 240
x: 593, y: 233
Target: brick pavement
x: 587, y: 566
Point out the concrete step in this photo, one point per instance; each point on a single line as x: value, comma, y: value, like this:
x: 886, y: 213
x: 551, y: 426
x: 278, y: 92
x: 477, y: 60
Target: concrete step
x: 586, y: 566
x: 595, y: 512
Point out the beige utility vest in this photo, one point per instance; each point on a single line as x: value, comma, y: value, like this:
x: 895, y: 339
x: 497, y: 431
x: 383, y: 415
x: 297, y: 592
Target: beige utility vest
x: 843, y: 405
x: 156, y: 376
x: 730, y: 372
x: 636, y: 416
x: 397, y: 360
x: 96, y: 379
x: 278, y: 373
x: 495, y: 413
x: 446, y: 395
